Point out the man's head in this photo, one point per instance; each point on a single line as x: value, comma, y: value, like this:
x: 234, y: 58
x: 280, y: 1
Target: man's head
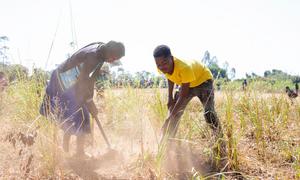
x: 114, y: 51
x: 163, y: 59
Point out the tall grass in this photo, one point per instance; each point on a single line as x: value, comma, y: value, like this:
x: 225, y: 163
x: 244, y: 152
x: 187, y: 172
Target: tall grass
x: 22, y: 101
x: 261, y: 129
x: 232, y: 153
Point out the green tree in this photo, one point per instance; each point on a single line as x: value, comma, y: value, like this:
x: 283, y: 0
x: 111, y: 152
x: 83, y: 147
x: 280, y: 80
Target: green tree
x: 212, y: 64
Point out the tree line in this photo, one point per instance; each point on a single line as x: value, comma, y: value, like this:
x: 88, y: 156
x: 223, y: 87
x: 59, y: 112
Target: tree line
x: 141, y: 79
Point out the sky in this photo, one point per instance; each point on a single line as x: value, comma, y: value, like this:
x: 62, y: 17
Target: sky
x: 251, y: 35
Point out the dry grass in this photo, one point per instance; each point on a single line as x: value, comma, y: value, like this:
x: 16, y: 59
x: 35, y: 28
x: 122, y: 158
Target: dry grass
x: 261, y: 132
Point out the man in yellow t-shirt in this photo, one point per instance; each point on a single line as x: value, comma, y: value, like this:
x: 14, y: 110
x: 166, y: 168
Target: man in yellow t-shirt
x: 194, y: 79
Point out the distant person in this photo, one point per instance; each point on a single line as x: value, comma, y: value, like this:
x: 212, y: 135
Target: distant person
x: 3, y: 81
x: 291, y: 93
x: 245, y: 84
x: 69, y: 94
x: 195, y: 80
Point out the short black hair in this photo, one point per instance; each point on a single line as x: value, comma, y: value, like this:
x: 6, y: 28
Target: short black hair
x: 162, y: 51
x: 117, y: 48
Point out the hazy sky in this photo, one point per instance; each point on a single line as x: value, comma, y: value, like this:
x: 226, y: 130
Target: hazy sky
x: 253, y: 35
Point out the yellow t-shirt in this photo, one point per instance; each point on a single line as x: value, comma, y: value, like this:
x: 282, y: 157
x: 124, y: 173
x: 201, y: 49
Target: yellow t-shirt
x: 192, y: 72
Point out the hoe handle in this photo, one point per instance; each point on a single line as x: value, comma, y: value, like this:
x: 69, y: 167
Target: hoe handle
x: 102, y: 131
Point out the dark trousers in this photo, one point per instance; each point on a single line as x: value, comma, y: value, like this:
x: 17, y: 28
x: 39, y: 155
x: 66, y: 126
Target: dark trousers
x: 205, y: 93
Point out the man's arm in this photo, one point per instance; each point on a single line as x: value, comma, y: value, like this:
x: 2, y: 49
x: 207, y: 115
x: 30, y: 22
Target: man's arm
x: 91, y: 106
x: 88, y: 94
x: 170, y: 94
x: 183, y: 94
x: 176, y: 108
x: 187, y: 76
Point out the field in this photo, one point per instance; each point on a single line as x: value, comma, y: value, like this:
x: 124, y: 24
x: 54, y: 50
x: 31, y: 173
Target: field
x: 261, y: 128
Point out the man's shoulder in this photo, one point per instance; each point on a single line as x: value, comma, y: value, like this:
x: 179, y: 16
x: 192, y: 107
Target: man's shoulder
x: 182, y: 64
x: 93, y: 44
x: 89, y: 51
x: 89, y: 48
